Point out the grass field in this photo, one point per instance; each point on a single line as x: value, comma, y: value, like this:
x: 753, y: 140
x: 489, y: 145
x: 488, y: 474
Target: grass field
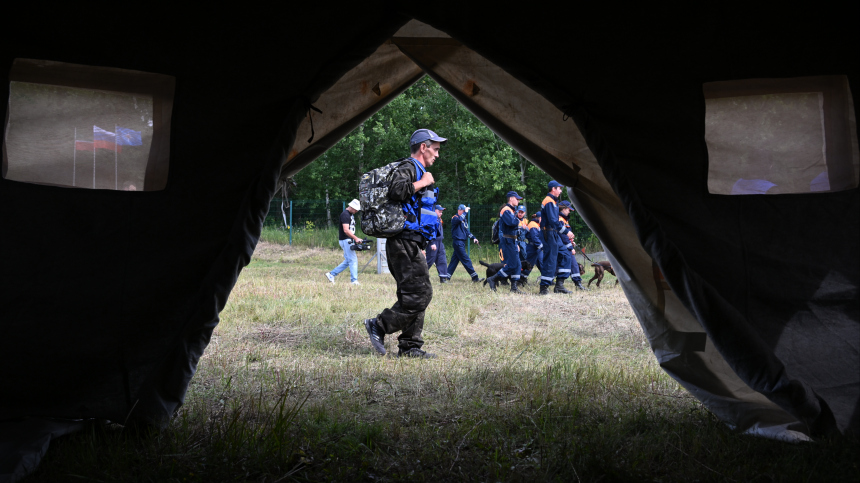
x: 526, y: 388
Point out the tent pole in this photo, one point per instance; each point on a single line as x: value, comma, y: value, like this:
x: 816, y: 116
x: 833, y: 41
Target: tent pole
x: 75, y: 156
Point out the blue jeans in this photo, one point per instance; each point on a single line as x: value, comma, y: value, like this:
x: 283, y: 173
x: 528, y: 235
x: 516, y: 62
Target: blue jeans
x: 350, y: 259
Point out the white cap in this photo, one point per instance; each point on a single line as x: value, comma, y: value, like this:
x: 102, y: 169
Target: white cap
x: 355, y: 205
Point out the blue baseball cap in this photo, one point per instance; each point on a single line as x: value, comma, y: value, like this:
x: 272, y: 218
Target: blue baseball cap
x: 554, y: 184
x: 461, y: 207
x: 424, y: 135
x: 439, y: 207
x: 514, y: 194
x: 521, y: 208
x: 564, y: 204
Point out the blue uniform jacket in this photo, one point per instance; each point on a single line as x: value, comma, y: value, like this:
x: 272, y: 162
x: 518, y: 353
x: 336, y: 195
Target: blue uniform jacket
x: 459, y: 228
x: 509, y: 224
x: 534, y: 235
x: 549, y: 216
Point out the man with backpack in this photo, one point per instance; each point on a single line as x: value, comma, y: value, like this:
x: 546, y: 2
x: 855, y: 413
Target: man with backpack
x: 412, y: 186
x: 508, y: 228
x: 460, y: 234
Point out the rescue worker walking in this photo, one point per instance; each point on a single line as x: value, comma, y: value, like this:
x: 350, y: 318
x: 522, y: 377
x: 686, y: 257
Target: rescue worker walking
x: 412, y: 186
x: 436, y: 250
x: 460, y: 234
x: 509, y: 225
x: 565, y: 209
x: 522, y: 231
x: 534, y: 248
x: 555, y: 263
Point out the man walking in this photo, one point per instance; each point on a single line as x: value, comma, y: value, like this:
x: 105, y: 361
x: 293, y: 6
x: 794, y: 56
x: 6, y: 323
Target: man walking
x: 346, y: 237
x: 535, y: 246
x: 410, y: 185
x: 509, y: 225
x: 460, y: 233
x: 565, y: 209
x: 555, y: 263
x: 436, y: 251
x: 522, y: 231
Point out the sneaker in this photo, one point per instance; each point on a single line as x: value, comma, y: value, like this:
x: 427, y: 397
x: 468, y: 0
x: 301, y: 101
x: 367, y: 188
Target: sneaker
x: 329, y: 276
x: 416, y: 353
x: 355, y: 283
x: 377, y: 338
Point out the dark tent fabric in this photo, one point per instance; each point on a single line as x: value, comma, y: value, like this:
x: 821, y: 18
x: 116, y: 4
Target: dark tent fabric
x: 108, y: 318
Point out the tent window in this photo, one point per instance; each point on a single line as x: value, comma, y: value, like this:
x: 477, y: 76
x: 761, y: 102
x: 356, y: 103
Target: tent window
x: 772, y: 136
x: 87, y: 127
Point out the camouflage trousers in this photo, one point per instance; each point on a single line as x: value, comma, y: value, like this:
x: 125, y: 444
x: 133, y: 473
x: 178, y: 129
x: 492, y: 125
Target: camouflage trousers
x: 414, y: 292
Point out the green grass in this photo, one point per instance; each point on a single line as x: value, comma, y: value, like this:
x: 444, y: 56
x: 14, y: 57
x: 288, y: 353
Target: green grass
x: 526, y: 388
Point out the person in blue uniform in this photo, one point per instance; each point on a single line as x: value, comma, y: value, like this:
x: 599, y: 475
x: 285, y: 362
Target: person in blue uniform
x: 522, y: 231
x: 554, y: 263
x: 534, y: 248
x: 460, y: 234
x: 509, y: 225
x: 565, y: 209
x: 436, y: 250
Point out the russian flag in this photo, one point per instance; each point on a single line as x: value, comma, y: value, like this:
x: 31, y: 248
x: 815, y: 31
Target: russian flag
x: 104, y: 139
x: 84, y: 146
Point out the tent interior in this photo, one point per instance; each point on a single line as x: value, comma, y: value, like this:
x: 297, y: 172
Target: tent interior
x: 705, y: 168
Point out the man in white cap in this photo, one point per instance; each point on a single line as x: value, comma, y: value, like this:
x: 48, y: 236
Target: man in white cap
x: 346, y: 237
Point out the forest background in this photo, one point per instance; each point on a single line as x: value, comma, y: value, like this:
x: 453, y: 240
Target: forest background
x: 474, y: 166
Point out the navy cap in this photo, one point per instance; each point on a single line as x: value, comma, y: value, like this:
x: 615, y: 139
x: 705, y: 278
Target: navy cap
x: 514, y: 194
x: 439, y: 207
x: 536, y: 215
x: 461, y: 207
x: 424, y: 135
x: 521, y: 208
x: 564, y: 204
x: 554, y: 184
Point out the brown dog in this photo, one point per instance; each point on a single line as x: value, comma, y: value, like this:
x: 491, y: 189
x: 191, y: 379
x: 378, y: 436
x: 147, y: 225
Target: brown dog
x: 599, y: 269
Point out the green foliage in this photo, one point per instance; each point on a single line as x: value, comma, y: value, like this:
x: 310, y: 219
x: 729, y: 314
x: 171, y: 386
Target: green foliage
x: 474, y: 164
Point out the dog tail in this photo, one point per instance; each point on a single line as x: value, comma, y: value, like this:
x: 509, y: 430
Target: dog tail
x: 484, y: 263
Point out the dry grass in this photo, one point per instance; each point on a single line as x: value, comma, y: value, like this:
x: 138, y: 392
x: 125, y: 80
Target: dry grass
x: 525, y: 388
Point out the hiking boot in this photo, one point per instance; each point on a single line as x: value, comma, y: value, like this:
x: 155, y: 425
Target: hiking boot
x: 524, y: 280
x: 514, y: 288
x: 416, y: 353
x: 559, y: 286
x: 377, y: 337
x: 329, y: 276
x: 477, y: 280
x: 578, y: 283
x: 544, y: 290
x: 443, y: 279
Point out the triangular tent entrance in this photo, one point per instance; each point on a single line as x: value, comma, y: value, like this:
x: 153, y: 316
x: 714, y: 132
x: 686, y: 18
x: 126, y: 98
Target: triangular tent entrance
x: 111, y: 323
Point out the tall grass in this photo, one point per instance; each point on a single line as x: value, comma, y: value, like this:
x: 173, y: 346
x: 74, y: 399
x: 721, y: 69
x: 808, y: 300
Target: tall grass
x: 526, y: 388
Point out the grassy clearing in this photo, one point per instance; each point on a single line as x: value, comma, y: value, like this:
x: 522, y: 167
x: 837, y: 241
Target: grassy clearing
x: 526, y: 388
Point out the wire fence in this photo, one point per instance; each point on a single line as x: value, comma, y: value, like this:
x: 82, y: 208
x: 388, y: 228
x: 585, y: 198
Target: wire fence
x: 303, y: 215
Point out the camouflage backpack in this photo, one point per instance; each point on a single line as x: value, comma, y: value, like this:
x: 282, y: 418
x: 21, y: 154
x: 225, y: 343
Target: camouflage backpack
x: 380, y: 217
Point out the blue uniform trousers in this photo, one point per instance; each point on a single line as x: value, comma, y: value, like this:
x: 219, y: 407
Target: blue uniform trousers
x: 512, y: 267
x: 574, y: 268
x: 461, y: 256
x: 549, y: 264
x: 438, y: 257
x: 533, y: 256
x: 564, y: 257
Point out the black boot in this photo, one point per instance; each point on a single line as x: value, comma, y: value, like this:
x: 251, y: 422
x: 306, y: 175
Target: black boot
x: 492, y: 281
x: 524, y: 280
x: 514, y: 288
x: 443, y: 279
x: 544, y: 290
x: 578, y: 283
x: 559, y: 286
